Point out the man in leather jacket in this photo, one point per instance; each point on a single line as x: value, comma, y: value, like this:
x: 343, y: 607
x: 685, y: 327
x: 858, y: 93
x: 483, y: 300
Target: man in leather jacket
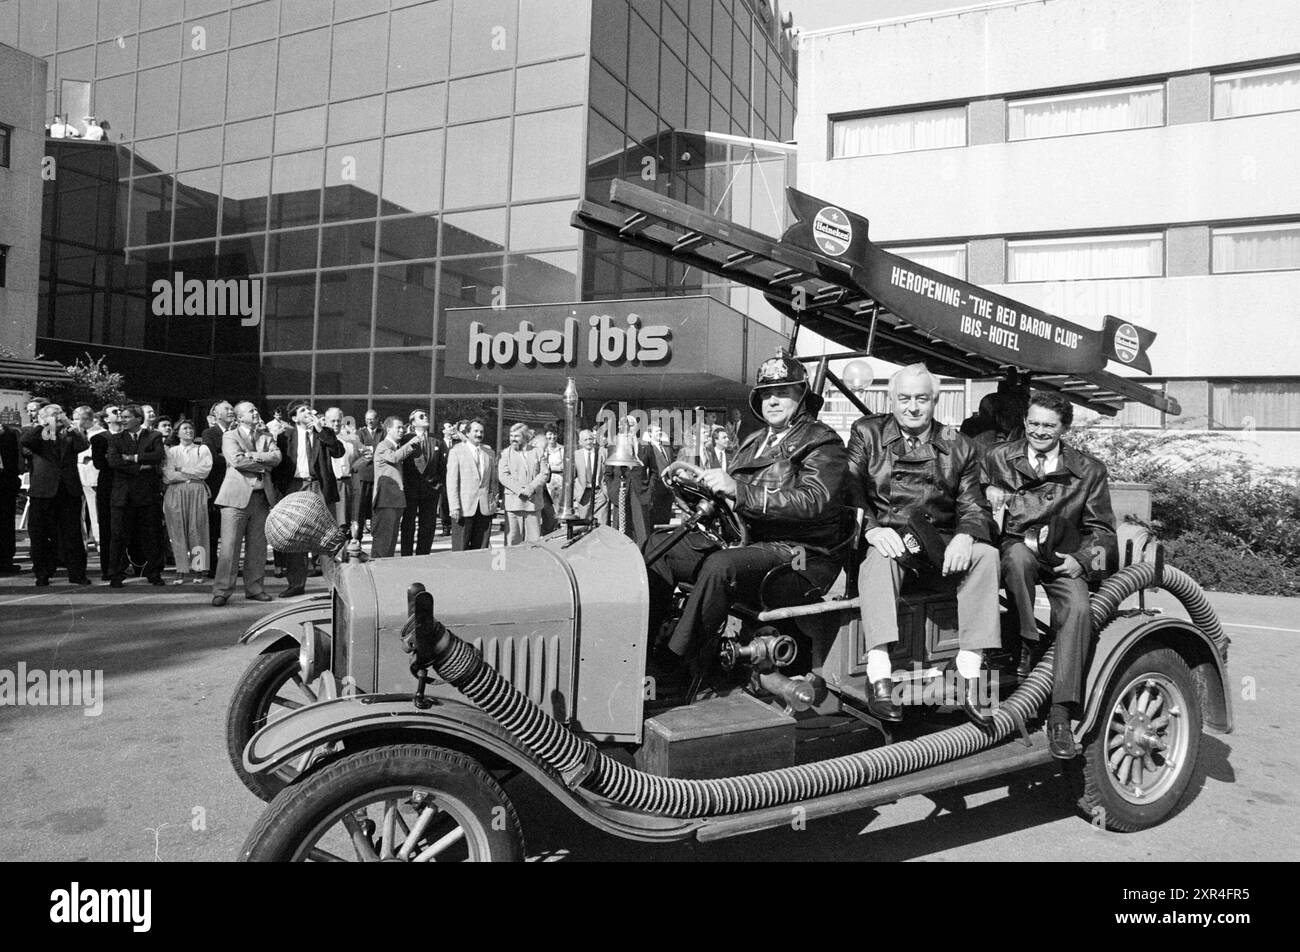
x: 1038, y: 478
x: 903, y: 464
x: 787, y: 483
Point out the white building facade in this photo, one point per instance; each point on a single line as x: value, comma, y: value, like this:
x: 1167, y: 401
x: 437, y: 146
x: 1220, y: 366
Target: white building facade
x: 1131, y: 157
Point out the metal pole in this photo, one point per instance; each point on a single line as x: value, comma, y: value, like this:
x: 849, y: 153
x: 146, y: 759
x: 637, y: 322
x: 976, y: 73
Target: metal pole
x: 565, y: 514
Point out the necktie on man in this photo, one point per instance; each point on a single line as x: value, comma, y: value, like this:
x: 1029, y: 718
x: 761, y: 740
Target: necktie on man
x: 911, y: 444
x: 769, y: 444
x: 1040, y: 464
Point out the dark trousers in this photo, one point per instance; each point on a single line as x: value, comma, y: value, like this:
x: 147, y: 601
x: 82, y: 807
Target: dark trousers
x: 137, y: 526
x: 471, y: 532
x: 54, y: 527
x: 361, y: 502
x: 8, y: 530
x: 214, y: 535
x: 1071, y: 616
x: 444, y: 512
x: 384, y: 534
x: 104, y: 509
x: 721, y: 576
x: 295, y: 563
x: 424, y: 510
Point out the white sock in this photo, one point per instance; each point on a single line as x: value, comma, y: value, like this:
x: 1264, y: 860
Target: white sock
x: 968, y: 663
x: 878, y: 666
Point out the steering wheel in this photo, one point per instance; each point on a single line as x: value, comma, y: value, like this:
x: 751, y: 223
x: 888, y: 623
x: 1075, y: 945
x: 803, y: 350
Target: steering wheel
x: 718, y: 521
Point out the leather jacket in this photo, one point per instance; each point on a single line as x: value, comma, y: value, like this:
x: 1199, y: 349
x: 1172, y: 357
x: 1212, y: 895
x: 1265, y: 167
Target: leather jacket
x: 939, y: 477
x: 795, y: 491
x: 1077, y: 490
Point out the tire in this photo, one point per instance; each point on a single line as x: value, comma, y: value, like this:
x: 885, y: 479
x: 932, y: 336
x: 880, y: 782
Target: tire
x: 308, y: 820
x: 261, y: 682
x: 1132, y: 796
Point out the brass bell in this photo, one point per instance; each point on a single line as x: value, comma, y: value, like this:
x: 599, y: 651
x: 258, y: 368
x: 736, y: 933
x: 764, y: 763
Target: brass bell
x: 624, y: 450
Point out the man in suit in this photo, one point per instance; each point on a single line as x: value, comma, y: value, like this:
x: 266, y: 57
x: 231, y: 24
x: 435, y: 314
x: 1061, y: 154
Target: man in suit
x: 423, y: 475
x: 589, y: 499
x: 136, y: 456
x: 308, y: 449
x: 660, y: 500
x: 471, y: 490
x: 450, y: 437
x: 1041, y: 479
x: 10, y: 477
x: 55, y: 494
x: 246, y: 496
x: 390, y: 494
x: 716, y: 450
x: 104, y: 491
x: 223, y: 418
x: 363, y: 470
x: 523, y: 475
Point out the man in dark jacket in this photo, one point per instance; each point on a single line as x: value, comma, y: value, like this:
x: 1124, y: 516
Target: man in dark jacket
x: 55, y: 494
x: 1039, y: 479
x: 224, y: 416
x: 787, y: 483
x: 307, y: 449
x: 136, y: 456
x: 423, y: 475
x: 104, y: 489
x: 363, y: 470
x: 904, y: 464
x: 10, y: 477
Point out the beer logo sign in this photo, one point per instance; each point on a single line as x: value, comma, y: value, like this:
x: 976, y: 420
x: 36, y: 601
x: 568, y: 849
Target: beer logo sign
x: 1127, y: 344
x: 832, y: 231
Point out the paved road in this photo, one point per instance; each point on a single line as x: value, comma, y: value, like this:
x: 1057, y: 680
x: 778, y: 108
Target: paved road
x: 148, y: 778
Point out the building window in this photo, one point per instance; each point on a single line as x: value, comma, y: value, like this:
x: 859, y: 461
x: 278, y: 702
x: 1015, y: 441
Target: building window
x: 950, y: 259
x: 1134, y: 414
x: 1092, y: 256
x: 4, y: 259
x: 1099, y: 110
x: 1256, y: 248
x: 1256, y: 91
x: 899, y: 132
x: 5, y: 137
x: 1258, y: 404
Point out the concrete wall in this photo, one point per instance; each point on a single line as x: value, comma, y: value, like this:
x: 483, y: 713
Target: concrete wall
x: 22, y: 106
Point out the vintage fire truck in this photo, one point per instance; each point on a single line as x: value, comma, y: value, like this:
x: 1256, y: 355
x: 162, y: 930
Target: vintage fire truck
x: 382, y: 720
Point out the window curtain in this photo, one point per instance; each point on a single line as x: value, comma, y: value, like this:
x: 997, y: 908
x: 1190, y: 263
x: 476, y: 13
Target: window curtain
x: 904, y: 132
x: 1272, y: 249
x: 1102, y: 112
x: 1252, y: 95
x: 951, y: 261
x: 1097, y: 258
x: 1268, y: 403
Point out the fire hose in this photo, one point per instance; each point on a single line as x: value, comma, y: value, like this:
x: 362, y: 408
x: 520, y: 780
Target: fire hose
x: 463, y: 666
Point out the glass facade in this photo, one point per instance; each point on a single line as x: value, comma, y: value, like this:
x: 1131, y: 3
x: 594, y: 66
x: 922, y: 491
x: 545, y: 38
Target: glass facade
x: 374, y: 163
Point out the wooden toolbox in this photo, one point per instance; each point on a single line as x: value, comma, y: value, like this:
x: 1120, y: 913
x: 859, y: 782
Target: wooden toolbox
x: 719, y: 737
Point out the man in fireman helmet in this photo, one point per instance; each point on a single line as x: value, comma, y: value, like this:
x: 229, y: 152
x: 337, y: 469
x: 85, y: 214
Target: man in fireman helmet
x: 786, y: 482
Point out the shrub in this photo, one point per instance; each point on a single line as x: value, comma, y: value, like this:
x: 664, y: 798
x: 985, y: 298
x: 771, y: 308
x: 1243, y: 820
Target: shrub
x: 1221, y: 563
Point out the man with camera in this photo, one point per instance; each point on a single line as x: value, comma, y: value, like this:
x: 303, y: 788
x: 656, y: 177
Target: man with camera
x: 307, y: 450
x: 1059, y: 532
x: 55, y: 493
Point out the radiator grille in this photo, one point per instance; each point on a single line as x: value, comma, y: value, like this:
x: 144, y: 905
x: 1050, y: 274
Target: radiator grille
x: 531, y: 663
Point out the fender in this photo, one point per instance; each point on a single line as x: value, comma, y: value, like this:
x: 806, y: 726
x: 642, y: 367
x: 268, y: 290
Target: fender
x: 1208, y: 667
x: 290, y: 619
x: 330, y: 721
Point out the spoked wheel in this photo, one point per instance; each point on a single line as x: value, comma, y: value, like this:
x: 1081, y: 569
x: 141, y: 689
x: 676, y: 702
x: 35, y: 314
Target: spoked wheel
x: 404, y: 803
x: 270, y: 688
x: 1139, y: 762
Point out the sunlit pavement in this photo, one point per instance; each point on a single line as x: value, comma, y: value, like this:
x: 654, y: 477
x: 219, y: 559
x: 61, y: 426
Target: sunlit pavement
x: 148, y: 779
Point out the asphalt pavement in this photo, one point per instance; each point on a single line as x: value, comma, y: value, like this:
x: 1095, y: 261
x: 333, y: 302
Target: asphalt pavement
x: 146, y: 778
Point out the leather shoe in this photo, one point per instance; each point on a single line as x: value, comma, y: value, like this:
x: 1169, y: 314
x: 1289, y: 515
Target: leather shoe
x: 116, y: 583
x: 1031, y: 653
x: 79, y: 581
x: 157, y: 580
x: 1060, y: 739
x: 259, y: 597
x: 42, y: 581
x: 980, y: 715
x: 219, y: 600
x: 10, y: 569
x: 291, y: 592
x: 881, y: 701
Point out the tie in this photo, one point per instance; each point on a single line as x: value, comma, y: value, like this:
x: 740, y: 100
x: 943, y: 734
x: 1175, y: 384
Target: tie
x: 591, y: 465
x: 1040, y: 464
x: 911, y: 445
x: 769, y: 443
x: 722, y: 460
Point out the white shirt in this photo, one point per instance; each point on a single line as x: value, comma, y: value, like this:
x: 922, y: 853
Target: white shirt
x: 304, y: 462
x: 194, y: 457
x: 94, y: 132
x: 89, y: 474
x: 1049, y: 465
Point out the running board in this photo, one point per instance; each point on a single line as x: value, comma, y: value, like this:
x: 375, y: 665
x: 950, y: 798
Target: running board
x: 1009, y: 757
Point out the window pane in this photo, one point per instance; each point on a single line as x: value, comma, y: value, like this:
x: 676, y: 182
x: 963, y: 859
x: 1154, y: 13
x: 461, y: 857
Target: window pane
x: 199, y: 77
x: 151, y: 210
x: 351, y: 181
x: 289, y: 375
x: 550, y: 28
x: 1260, y: 248
x: 418, y: 49
x: 421, y: 108
x: 1061, y: 259
x: 154, y: 155
x: 257, y: 21
x: 160, y: 46
x: 1079, y: 113
x: 117, y: 17
x: 117, y: 55
x: 542, y: 226
x: 643, y: 61
x: 345, y: 310
x: 347, y: 244
x: 483, y: 35
x: 609, y: 36
x: 303, y: 129
x: 544, y: 153
x: 478, y: 158
x: 304, y: 70
x: 301, y: 14
x: 157, y: 96
x: 295, y: 189
x: 207, y: 35
x: 115, y: 106
x: 197, y: 149
x: 161, y: 11
x: 242, y: 258
x: 398, y: 373
x: 360, y: 58
x: 1274, y: 404
x: 542, y: 279
x: 244, y: 191
x: 404, y: 239
x: 357, y: 119
x: 412, y: 173
x: 480, y: 97
x: 288, y: 319
x: 1257, y: 91
x: 248, y: 140
x: 292, y: 250
x: 474, y: 232
x: 407, y: 302
x: 950, y: 259
x: 469, y: 282
x: 901, y: 132
x: 196, y: 204
x: 550, y: 84
x: 246, y: 92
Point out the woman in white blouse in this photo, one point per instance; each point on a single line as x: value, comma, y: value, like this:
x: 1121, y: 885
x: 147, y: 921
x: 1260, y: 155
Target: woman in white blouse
x: 185, y: 505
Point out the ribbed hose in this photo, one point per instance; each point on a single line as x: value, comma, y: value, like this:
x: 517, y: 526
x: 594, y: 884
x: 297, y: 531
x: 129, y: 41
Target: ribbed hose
x: 463, y: 666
